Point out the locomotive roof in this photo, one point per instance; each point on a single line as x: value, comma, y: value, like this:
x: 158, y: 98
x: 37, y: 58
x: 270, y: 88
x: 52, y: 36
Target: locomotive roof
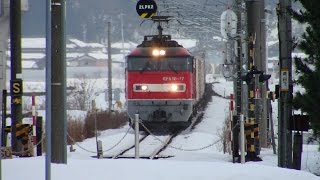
x: 159, y: 40
x: 170, y: 51
x: 162, y: 42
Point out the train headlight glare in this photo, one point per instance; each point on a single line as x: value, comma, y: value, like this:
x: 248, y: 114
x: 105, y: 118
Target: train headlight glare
x: 144, y: 87
x: 174, y: 87
x: 162, y: 52
x: 155, y: 52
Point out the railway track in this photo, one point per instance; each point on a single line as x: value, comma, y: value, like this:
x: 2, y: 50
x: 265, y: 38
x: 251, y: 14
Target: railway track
x: 150, y: 146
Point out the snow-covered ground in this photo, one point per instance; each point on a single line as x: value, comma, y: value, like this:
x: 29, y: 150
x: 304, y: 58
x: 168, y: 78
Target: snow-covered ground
x: 188, y: 162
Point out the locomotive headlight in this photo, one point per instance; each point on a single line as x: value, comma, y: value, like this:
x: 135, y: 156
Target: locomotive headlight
x: 155, y: 52
x: 144, y: 87
x: 140, y: 88
x: 174, y: 87
x: 162, y: 52
x: 177, y: 88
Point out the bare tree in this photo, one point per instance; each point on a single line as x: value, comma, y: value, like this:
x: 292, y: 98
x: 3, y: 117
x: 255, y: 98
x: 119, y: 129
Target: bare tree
x: 81, y: 92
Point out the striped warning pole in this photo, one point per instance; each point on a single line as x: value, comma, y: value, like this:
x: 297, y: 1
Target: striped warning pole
x: 34, y: 122
x: 251, y: 125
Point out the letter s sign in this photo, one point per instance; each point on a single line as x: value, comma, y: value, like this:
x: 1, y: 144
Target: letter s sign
x: 16, y: 87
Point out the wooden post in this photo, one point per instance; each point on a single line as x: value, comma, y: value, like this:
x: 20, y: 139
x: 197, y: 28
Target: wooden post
x: 297, y: 150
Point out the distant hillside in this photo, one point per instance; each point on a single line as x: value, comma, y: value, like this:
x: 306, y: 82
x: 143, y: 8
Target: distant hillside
x: 85, y: 19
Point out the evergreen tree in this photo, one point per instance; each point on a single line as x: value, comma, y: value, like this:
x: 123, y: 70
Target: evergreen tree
x: 308, y: 69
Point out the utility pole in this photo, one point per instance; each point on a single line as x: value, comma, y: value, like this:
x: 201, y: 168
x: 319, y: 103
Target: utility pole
x: 58, y: 84
x: 252, y: 121
x: 16, y: 75
x: 239, y: 59
x: 109, y: 68
x: 48, y: 93
x: 286, y: 88
x: 122, y: 36
x: 263, y: 125
x: 4, y: 36
x: 238, y: 80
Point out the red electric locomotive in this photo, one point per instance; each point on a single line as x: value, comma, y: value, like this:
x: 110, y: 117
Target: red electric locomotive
x: 164, y: 82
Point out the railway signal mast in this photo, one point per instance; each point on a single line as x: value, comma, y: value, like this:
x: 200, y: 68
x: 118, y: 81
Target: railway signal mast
x: 229, y: 23
x: 255, y: 78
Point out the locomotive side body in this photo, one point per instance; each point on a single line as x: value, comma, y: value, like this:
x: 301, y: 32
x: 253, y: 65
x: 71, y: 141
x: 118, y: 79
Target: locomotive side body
x: 163, y: 84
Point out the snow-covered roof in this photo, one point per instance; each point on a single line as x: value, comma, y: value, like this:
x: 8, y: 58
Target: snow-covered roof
x: 95, y: 45
x: 33, y: 55
x: 83, y: 44
x: 71, y: 55
x: 40, y: 43
x: 25, y: 64
x: 78, y: 42
x: 126, y: 45
x: 33, y: 42
x: 71, y: 46
x: 118, y: 57
x: 98, y: 55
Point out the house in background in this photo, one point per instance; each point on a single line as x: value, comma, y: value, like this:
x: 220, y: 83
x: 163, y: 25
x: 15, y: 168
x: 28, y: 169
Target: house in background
x: 78, y: 53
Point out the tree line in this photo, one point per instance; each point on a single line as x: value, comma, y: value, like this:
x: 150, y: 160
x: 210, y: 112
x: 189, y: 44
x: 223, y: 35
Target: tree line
x: 308, y: 69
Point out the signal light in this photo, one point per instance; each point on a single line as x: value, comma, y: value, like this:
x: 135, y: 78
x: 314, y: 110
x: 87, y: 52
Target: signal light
x: 264, y: 77
x: 248, y: 77
x: 254, y: 70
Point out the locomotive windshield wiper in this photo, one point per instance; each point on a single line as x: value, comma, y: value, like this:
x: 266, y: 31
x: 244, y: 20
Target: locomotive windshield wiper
x: 172, y: 68
x: 146, y: 66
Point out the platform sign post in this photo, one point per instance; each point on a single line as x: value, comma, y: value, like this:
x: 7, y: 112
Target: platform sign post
x: 136, y: 129
x: 146, y: 8
x: 284, y: 82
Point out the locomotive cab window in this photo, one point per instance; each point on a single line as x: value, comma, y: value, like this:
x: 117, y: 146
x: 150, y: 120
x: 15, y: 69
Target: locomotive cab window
x: 176, y: 64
